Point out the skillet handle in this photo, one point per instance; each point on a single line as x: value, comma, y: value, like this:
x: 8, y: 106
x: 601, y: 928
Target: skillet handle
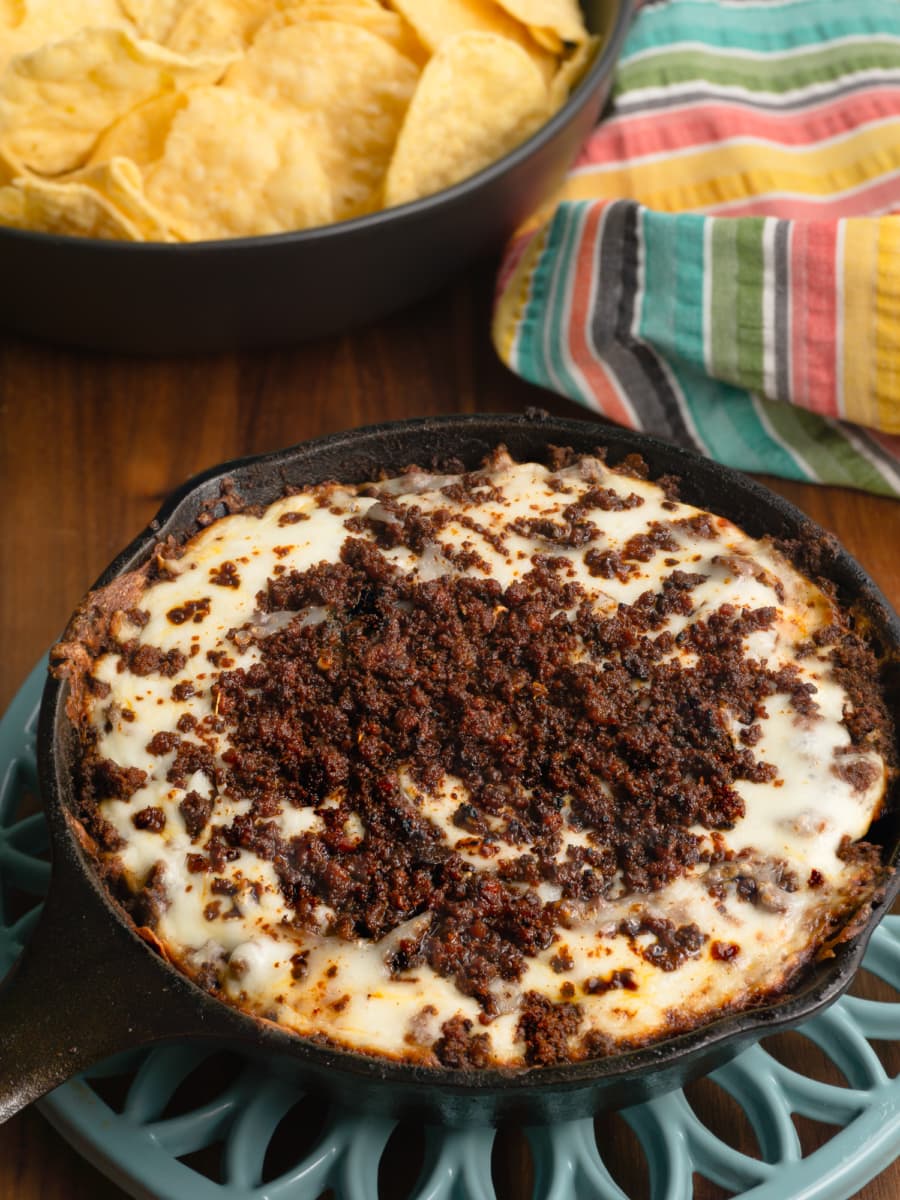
x: 82, y: 990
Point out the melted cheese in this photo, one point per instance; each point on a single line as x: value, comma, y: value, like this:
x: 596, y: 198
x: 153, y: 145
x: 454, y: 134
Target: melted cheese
x: 347, y: 991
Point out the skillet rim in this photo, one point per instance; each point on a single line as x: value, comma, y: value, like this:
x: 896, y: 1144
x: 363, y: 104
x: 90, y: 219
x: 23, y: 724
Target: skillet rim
x: 819, y: 985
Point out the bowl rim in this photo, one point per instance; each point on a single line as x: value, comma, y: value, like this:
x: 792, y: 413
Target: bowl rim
x: 824, y: 983
x: 580, y: 95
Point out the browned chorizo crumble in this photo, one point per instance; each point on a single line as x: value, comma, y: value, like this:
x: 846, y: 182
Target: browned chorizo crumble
x: 554, y: 716
x: 389, y: 681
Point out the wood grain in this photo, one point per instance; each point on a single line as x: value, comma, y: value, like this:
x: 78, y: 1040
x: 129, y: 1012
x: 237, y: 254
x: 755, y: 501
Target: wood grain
x: 89, y: 446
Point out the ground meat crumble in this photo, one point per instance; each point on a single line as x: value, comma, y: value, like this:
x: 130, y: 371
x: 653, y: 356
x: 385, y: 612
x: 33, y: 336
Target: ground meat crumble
x: 527, y: 694
x: 389, y: 683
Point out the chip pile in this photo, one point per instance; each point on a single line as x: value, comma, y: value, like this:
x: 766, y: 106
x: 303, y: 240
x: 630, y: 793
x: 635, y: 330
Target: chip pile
x: 187, y: 120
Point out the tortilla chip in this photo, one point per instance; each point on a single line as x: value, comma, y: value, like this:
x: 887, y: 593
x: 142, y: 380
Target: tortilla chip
x: 55, y: 101
x: 217, y: 26
x: 551, y: 22
x: 154, y: 19
x: 12, y: 14
x: 434, y: 23
x: 571, y: 71
x: 479, y: 96
x: 141, y: 134
x: 70, y: 208
x: 25, y: 25
x: 235, y: 167
x: 353, y: 89
x: 387, y: 25
x: 119, y: 182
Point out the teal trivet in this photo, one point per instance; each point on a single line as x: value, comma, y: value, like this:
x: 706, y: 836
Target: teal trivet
x: 141, y: 1148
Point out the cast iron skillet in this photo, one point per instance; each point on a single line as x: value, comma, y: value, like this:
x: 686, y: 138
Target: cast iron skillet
x: 155, y: 298
x: 88, y: 986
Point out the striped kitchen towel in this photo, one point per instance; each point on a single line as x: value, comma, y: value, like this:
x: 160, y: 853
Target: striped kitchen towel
x: 722, y: 268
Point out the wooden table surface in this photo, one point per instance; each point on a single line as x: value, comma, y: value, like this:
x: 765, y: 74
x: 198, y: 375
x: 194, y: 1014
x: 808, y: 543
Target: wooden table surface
x: 89, y: 446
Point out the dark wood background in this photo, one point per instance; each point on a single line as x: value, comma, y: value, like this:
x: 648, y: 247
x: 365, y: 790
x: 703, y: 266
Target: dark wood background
x: 89, y: 446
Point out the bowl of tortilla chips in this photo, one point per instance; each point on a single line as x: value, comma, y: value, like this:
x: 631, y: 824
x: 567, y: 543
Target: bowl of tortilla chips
x: 192, y: 175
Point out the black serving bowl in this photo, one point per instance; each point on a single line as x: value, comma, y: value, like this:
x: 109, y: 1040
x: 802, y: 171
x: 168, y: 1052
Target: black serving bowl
x: 88, y: 986
x: 158, y: 298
